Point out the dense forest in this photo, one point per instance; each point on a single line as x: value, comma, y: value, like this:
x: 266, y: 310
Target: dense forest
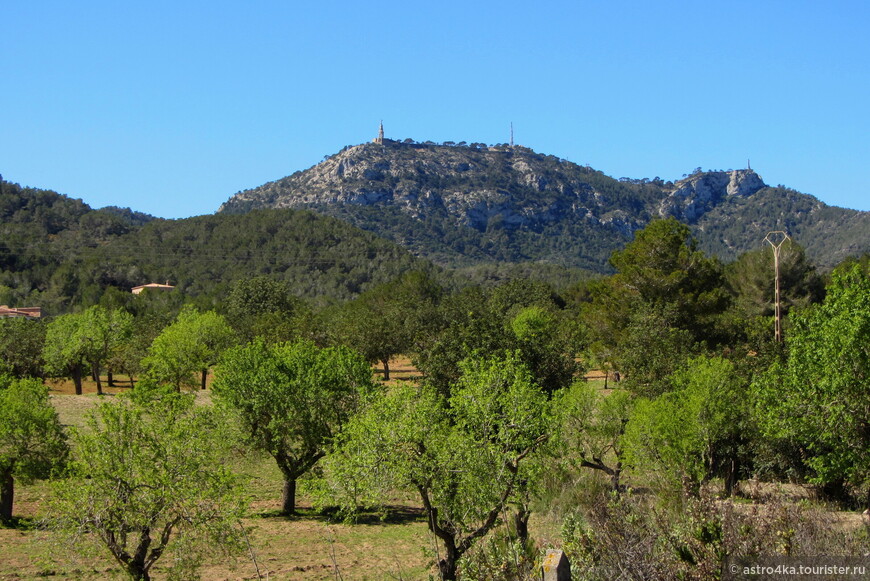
x: 58, y: 253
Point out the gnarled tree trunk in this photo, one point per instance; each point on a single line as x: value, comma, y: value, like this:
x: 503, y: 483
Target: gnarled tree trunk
x: 288, y: 499
x: 95, y: 371
x: 521, y: 524
x: 7, y: 493
x: 76, y: 375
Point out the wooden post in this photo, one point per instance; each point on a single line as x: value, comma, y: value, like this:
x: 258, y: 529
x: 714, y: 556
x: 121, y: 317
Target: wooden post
x: 556, y: 566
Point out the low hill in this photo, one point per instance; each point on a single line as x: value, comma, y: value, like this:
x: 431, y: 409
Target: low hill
x: 320, y: 257
x: 58, y: 253
x: 461, y: 204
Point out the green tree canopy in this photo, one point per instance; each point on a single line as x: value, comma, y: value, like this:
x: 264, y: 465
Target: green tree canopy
x: 680, y: 438
x: 140, y: 490
x: 188, y: 347
x: 590, y: 428
x: 663, y: 282
x: 32, y: 441
x: 106, y: 332
x: 87, y: 339
x: 466, y: 325
x: 545, y: 346
x: 66, y: 349
x: 464, y: 456
x: 21, y: 342
x: 292, y: 399
x: 473, y: 323
x: 751, y: 278
x: 264, y: 307
x: 388, y: 320
x: 819, y: 397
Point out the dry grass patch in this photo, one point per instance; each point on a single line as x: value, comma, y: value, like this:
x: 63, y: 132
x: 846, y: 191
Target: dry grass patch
x: 308, y: 547
x: 401, y: 369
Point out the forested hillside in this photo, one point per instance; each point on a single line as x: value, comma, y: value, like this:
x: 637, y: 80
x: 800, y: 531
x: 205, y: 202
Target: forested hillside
x: 829, y: 234
x: 58, y: 253
x: 319, y: 257
x: 41, y: 232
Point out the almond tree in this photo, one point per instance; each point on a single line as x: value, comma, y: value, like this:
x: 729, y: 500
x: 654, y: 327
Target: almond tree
x: 78, y: 341
x: 139, y: 490
x: 103, y: 332
x: 591, y: 427
x: 465, y: 456
x: 185, y: 350
x: 292, y: 400
x: 32, y: 441
x: 65, y: 351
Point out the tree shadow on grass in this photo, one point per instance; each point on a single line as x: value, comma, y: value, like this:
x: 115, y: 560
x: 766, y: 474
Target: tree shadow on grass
x: 389, y: 515
x: 20, y: 523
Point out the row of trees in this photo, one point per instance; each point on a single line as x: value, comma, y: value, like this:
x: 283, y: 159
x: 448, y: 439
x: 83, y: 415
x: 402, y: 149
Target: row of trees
x: 100, y: 339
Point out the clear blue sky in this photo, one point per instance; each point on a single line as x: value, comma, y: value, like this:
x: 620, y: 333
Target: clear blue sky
x: 171, y: 107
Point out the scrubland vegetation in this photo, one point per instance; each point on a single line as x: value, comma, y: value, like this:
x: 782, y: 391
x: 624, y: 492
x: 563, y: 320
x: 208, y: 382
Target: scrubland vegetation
x: 254, y: 435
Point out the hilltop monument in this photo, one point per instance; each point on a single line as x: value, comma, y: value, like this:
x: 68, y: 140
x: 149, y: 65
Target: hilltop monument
x: 380, y: 137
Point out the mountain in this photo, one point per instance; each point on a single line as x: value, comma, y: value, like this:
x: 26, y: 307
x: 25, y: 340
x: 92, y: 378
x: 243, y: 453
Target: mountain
x: 461, y: 204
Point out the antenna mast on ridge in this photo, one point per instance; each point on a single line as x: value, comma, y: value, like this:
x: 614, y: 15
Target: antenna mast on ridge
x: 512, y: 134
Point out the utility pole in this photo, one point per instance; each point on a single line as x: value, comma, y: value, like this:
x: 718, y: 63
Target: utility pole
x: 776, y: 240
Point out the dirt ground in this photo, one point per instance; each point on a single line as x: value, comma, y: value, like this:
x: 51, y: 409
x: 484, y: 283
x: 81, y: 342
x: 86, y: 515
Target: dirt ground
x: 401, y: 369
x: 305, y: 548
x: 298, y: 549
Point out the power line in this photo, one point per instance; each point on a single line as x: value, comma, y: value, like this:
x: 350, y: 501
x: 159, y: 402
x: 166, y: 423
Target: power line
x: 47, y: 250
x: 776, y: 240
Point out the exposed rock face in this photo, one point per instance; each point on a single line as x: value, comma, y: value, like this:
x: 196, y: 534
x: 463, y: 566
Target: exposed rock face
x: 701, y: 192
x: 744, y: 182
x: 473, y: 186
x: 477, y: 186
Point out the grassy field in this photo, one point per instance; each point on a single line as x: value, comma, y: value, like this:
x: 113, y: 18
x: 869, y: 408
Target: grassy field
x: 307, y: 547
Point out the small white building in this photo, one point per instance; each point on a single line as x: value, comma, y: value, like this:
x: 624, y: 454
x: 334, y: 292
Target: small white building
x: 152, y: 285
x: 7, y: 312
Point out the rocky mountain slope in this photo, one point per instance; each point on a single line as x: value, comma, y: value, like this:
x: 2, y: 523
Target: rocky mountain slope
x: 464, y: 204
